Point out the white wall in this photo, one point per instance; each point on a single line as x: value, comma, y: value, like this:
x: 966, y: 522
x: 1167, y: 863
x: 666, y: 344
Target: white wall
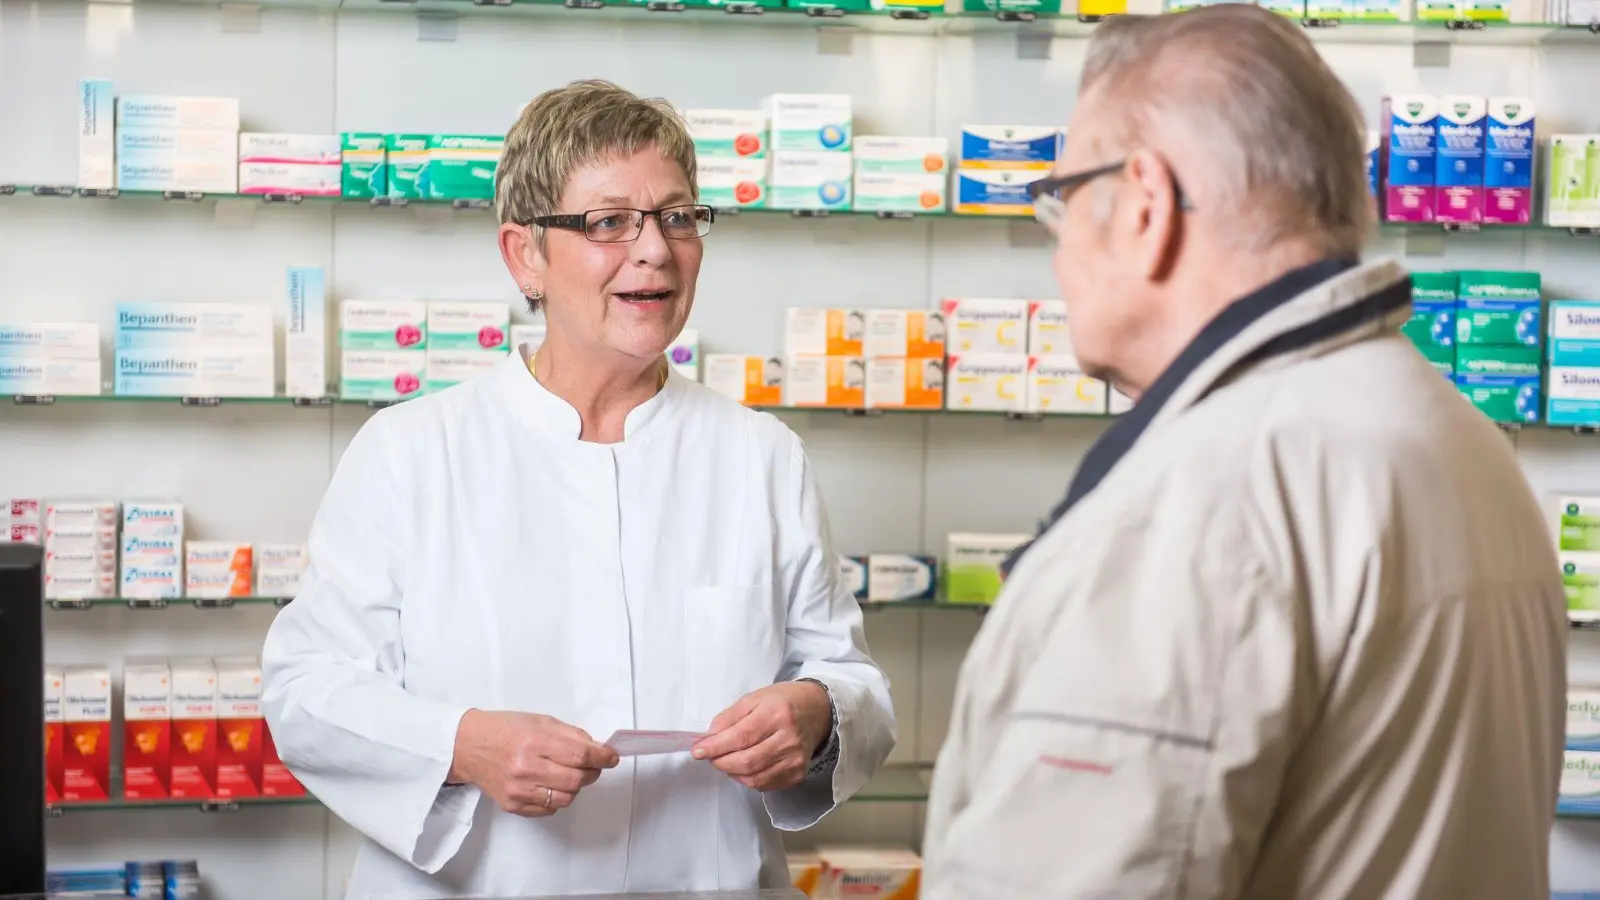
x: 257, y: 472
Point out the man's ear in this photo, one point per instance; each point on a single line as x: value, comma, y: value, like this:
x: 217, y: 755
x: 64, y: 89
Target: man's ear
x: 1154, y: 214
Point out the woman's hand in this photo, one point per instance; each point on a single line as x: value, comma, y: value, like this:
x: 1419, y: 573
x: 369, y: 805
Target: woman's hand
x: 530, y: 765
x: 766, y: 740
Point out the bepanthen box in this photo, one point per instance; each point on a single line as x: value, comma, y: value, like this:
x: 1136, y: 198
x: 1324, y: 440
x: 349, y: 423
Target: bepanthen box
x: 147, y: 729
x: 305, y: 333
x: 240, y: 726
x: 86, y: 717
x: 97, y: 147
x: 994, y: 382
x: 54, y: 734
x: 1508, y: 162
x: 196, y: 373
x: 177, y: 146
x: 751, y: 380
x: 213, y: 326
x: 1410, y: 124
x: 161, y: 111
x: 472, y: 325
x: 50, y: 340
x: 983, y: 325
x: 199, y: 177
x: 194, y: 729
x: 1459, y: 162
x: 263, y: 147
x: 58, y: 377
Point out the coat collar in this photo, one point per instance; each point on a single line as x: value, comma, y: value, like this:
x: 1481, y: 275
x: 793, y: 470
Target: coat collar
x: 1304, y: 313
x: 551, y: 414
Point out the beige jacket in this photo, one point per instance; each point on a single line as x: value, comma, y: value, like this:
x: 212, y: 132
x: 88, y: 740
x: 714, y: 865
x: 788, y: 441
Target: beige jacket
x: 1305, y: 640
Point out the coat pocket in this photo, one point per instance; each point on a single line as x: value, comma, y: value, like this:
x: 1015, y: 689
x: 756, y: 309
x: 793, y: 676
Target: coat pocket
x: 735, y: 645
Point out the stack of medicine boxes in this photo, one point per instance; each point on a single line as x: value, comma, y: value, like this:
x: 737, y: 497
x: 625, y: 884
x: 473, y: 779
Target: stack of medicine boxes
x: 824, y: 365
x: 1056, y: 382
x: 436, y: 166
x: 1578, y: 541
x: 218, y: 569
x: 21, y: 521
x: 1458, y: 159
x: 1498, y: 335
x: 80, y: 550
x: 465, y: 339
x: 54, y: 359
x: 901, y: 174
x: 1574, y: 181
x: 178, y: 144
x: 152, y: 550
x: 730, y: 148
x: 998, y: 162
x: 1432, y: 326
x: 811, y: 151
x: 307, y: 165
x: 363, y: 172
x: 905, y: 358
x: 383, y: 349
x: 195, y: 350
x: 988, y: 354
x: 1572, y: 394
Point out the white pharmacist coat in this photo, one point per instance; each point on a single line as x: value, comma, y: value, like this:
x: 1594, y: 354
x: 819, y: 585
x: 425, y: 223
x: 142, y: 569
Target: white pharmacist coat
x: 472, y: 552
x: 1306, y: 640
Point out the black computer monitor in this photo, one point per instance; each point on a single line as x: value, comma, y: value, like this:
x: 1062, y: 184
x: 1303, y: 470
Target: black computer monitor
x: 21, y: 719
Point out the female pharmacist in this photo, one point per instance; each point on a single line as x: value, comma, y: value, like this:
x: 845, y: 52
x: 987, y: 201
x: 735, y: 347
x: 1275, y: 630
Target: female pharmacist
x: 579, y: 543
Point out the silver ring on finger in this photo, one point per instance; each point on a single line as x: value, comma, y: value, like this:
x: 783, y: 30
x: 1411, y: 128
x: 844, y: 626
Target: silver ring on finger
x: 549, y: 798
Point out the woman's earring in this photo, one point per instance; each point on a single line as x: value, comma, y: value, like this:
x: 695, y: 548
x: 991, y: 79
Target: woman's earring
x: 531, y: 294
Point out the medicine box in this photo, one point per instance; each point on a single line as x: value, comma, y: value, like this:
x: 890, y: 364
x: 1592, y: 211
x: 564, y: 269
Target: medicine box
x: 813, y: 331
x: 1037, y: 7
x: 214, y: 569
x: 1048, y: 334
x: 193, y: 326
x: 454, y: 325
x: 147, y: 729
x: 972, y: 565
x: 809, y: 122
x: 894, y: 192
x: 362, y: 171
x: 899, y: 382
x: 1580, y: 580
x: 304, y: 179
x: 683, y: 354
x: 240, y: 728
x: 808, y: 180
x: 1578, y: 528
x: 805, y: 870
x: 448, y: 368
x: 751, y: 380
x: 383, y: 325
x: 1057, y: 385
x: 920, y: 156
x: 1579, y: 791
x: 992, y: 382
x: 1574, y: 181
x: 461, y: 166
x: 831, y: 382
x: 382, y: 374
x: 1410, y: 123
x: 54, y: 377
x: 296, y: 149
x: 1583, y: 718
x: 980, y: 325
x: 727, y: 133
x: 733, y: 182
x: 177, y: 147
x: 194, y: 729
x: 142, y: 550
x: 405, y: 161
x: 89, y: 513
x: 1505, y: 322
x: 54, y: 734
x: 160, y: 174
x: 50, y: 340
x: 895, y: 577
x: 1574, y: 333
x: 97, y: 145
x: 1459, y: 161
x: 1509, y: 151
x: 995, y: 192
x: 154, y: 372
x: 86, y: 721
x: 161, y: 111
x: 1483, y: 359
x: 1032, y: 147
x: 904, y: 332
x: 853, y: 572
x: 1503, y: 398
x: 305, y: 333
x: 882, y: 874
x: 527, y: 337
x: 152, y: 519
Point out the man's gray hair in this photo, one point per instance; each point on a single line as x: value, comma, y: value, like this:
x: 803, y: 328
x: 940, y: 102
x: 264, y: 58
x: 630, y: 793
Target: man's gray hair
x: 1236, y: 98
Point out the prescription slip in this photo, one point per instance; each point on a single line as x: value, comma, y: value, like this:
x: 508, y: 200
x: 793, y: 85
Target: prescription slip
x: 898, y: 382
x: 832, y: 382
x: 904, y: 332
x: 986, y: 325
x: 751, y: 380
x: 994, y: 382
x: 824, y: 332
x: 653, y: 743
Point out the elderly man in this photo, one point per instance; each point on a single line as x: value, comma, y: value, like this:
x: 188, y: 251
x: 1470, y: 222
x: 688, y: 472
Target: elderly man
x: 1297, y: 630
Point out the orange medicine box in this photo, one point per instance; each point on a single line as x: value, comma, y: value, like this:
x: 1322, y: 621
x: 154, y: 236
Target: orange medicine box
x: 194, y: 729
x: 900, y: 383
x: 824, y: 332
x: 86, y: 715
x: 751, y: 380
x: 805, y: 870
x: 240, y: 727
x: 869, y: 873
x: 146, y: 729
x: 54, y: 734
x: 904, y: 332
x: 832, y: 382
x: 218, y: 569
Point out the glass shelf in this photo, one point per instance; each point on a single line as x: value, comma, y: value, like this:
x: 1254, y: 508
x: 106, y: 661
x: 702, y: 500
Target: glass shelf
x: 166, y: 603
x: 886, y: 605
x: 930, y: 23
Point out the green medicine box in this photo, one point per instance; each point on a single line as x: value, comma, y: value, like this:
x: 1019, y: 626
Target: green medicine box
x: 1503, y: 398
x: 1495, y: 285
x: 1498, y: 308
x: 1580, y: 580
x: 461, y: 166
x: 1433, y: 286
x: 1481, y: 359
x: 406, y: 161
x: 1037, y: 7
x: 363, y: 158
x: 1580, y: 524
x: 843, y: 5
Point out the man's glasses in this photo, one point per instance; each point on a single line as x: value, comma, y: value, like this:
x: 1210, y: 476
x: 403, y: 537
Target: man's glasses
x: 1049, y: 195
x: 619, y: 226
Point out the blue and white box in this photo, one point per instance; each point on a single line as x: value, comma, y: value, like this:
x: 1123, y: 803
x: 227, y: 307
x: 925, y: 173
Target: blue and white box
x: 807, y: 180
x: 203, y: 177
x: 152, y: 518
x: 1459, y: 162
x: 1010, y: 147
x: 893, y: 577
x: 1575, y: 333
x: 52, y: 377
x: 1583, y: 718
x: 1574, y: 396
x: 97, y: 158
x: 1580, y: 783
x: 162, y: 111
x: 995, y: 192
x: 193, y: 326
x: 1508, y: 162
x: 305, y: 333
x: 50, y: 340
x: 817, y: 123
x: 162, y: 372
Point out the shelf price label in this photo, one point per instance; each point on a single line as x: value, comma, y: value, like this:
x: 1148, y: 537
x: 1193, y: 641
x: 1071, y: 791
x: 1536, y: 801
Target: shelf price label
x: 33, y: 399
x: 54, y: 190
x: 213, y: 603
x: 200, y: 401
x: 78, y: 604
x: 147, y: 603
x: 220, y: 806
x: 190, y: 196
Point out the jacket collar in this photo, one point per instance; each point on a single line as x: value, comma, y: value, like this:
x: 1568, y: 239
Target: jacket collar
x: 1303, y: 313
x: 549, y: 413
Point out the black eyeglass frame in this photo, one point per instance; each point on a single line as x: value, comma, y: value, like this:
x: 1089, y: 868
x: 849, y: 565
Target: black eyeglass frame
x: 1056, y: 184
x: 579, y: 221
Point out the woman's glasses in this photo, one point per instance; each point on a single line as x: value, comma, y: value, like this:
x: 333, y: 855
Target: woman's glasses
x: 619, y: 226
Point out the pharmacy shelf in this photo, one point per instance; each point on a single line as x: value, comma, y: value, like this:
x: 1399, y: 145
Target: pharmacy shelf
x: 927, y: 22
x: 887, y: 605
x: 67, y: 192
x: 144, y: 603
x: 899, y: 783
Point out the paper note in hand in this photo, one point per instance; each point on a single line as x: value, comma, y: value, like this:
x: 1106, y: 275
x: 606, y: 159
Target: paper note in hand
x: 649, y: 743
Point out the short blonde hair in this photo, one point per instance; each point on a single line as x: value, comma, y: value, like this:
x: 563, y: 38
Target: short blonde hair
x: 581, y: 124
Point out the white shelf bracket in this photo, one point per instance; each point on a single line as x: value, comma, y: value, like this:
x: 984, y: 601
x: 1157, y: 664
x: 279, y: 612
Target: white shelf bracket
x: 1034, y: 44
x: 435, y: 27
x: 836, y: 40
x: 240, y: 18
x: 1430, y: 55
